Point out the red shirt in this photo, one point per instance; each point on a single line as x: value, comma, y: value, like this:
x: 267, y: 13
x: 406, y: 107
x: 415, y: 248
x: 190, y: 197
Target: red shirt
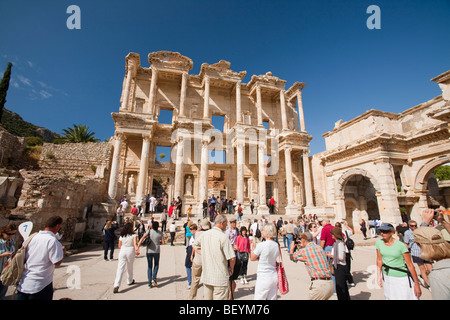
x: 326, y: 235
x: 134, y: 211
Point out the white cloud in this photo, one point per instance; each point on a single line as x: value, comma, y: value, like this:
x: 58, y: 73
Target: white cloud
x: 24, y: 80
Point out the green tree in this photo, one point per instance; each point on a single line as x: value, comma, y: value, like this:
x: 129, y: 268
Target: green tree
x: 79, y: 133
x: 4, y: 85
x: 442, y: 173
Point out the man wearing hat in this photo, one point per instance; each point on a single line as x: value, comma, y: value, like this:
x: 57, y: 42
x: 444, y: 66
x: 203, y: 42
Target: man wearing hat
x: 435, y: 248
x: 317, y: 266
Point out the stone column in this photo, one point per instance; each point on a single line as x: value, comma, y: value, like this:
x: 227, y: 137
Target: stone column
x: 179, y: 169
x: 240, y: 148
x: 206, y: 99
x: 341, y: 213
x: 289, y: 181
x: 203, y: 189
x: 259, y: 105
x: 283, y: 110
x: 301, y: 117
x: 115, y: 165
x: 238, y: 102
x: 126, y: 91
x: 143, y: 168
x: 262, y: 208
x: 184, y: 79
x: 388, y: 200
x: 152, y: 94
x: 307, y: 177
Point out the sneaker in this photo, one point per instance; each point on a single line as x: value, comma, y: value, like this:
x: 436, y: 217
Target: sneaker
x: 245, y: 280
x: 242, y: 280
x: 116, y: 289
x: 133, y: 282
x: 154, y: 284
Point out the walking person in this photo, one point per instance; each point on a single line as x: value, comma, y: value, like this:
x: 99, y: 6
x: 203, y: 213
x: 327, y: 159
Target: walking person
x: 395, y: 268
x: 7, y: 248
x: 109, y: 239
x: 156, y: 238
x: 266, y: 253
x: 172, y: 230
x: 424, y: 266
x: 363, y: 228
x: 188, y: 258
x: 140, y: 228
x: 43, y: 253
x: 316, y: 262
x: 218, y: 260
x: 338, y: 253
x: 242, y: 247
x: 128, y: 251
x: 197, y: 260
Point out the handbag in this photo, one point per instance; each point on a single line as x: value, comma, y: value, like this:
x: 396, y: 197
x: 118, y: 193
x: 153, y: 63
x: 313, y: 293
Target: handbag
x: 283, y: 285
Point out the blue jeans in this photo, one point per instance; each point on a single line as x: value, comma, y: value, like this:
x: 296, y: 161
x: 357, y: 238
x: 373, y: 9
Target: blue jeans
x: 290, y: 238
x: 328, y: 249
x: 189, y: 275
x: 152, y: 271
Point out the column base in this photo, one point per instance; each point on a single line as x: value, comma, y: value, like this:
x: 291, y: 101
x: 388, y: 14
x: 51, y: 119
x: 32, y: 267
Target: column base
x: 290, y: 209
x: 263, y: 210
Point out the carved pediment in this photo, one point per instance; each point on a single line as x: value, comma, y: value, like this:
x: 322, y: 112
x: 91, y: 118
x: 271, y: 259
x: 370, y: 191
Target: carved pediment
x: 170, y: 60
x: 221, y: 70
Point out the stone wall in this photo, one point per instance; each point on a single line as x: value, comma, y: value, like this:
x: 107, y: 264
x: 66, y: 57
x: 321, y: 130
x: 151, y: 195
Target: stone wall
x: 11, y: 148
x: 83, y: 160
x: 72, y: 178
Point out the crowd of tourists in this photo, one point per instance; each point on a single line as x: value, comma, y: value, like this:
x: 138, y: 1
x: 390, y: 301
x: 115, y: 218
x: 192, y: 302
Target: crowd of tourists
x: 219, y: 248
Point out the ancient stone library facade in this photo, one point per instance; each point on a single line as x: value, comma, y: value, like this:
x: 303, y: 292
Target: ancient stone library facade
x: 247, y: 140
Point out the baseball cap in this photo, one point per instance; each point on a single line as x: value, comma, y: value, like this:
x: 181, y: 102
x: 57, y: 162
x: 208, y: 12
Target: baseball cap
x: 386, y: 227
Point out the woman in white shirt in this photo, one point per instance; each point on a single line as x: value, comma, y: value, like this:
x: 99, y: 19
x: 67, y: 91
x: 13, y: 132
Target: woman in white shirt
x: 266, y: 253
x: 338, y: 254
x: 128, y: 250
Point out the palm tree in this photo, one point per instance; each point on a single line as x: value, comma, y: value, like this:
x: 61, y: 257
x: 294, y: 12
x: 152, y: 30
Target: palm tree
x: 79, y: 133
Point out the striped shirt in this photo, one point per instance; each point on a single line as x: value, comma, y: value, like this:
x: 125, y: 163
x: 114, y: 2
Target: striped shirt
x: 315, y: 260
x: 410, y: 241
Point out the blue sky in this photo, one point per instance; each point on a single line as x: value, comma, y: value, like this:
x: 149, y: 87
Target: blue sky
x: 61, y: 76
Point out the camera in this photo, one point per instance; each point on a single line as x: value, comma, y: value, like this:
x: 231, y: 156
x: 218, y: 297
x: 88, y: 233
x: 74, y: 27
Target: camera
x: 436, y: 213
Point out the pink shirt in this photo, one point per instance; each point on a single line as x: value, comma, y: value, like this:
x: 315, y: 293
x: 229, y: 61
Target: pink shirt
x: 243, y: 244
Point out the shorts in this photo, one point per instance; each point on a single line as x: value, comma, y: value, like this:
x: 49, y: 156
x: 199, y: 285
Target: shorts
x: 420, y: 260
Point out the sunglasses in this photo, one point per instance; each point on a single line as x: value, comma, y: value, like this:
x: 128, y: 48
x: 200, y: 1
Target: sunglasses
x: 10, y: 234
x: 386, y: 231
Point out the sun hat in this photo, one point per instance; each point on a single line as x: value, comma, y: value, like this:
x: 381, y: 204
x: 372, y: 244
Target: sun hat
x: 337, y: 233
x: 206, y: 224
x: 428, y: 235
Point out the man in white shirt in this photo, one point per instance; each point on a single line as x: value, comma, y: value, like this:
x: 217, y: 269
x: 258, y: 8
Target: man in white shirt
x: 44, y: 252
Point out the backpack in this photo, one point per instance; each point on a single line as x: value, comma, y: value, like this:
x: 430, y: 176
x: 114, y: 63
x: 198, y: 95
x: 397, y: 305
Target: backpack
x: 349, y: 242
x: 258, y: 232
x: 12, y: 272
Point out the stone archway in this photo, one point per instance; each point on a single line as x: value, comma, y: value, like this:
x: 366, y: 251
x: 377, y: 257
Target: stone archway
x: 355, y: 190
x: 420, y: 183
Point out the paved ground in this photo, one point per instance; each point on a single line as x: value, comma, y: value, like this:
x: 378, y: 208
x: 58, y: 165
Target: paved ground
x: 86, y: 276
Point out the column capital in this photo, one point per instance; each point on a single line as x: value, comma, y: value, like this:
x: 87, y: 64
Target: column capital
x: 119, y: 136
x: 147, y: 137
